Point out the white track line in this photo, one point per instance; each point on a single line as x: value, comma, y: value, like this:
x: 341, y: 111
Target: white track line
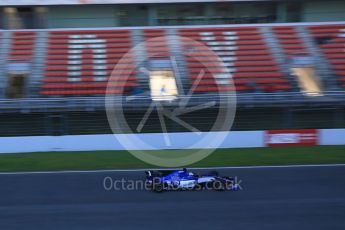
x: 140, y: 170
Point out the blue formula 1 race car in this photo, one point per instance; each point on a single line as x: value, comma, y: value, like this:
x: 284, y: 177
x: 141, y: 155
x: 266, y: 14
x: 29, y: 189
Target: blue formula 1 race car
x: 165, y: 180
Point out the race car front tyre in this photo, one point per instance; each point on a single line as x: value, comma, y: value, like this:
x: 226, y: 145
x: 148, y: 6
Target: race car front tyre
x: 220, y: 185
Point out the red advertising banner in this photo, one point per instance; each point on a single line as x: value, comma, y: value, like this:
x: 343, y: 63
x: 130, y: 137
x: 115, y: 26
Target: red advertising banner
x: 300, y: 137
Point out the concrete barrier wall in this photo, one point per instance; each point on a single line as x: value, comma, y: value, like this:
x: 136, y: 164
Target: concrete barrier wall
x: 234, y: 139
x: 131, y: 141
x: 332, y: 137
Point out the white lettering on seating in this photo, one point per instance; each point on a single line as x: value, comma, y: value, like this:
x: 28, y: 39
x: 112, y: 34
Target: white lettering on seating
x: 100, y: 67
x: 213, y: 43
x: 232, y: 70
x: 73, y: 67
x: 229, y: 58
x: 99, y: 51
x: 228, y: 64
x: 99, y: 56
x: 91, y: 46
x: 208, y: 38
x: 74, y: 79
x: 226, y: 43
x: 88, y: 41
x: 206, y: 33
x: 75, y: 36
x: 224, y: 48
x: 75, y: 73
x: 82, y: 36
x: 230, y: 38
x: 229, y: 33
x: 222, y: 81
x: 222, y: 75
x: 97, y: 46
x: 74, y: 56
x: 100, y: 61
x: 74, y: 51
x: 78, y: 44
x: 223, y: 45
x: 100, y: 73
x: 100, y: 78
x: 74, y: 62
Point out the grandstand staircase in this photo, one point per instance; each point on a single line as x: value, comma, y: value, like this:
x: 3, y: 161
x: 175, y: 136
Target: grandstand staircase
x: 140, y: 60
x: 278, y: 54
x: 4, y: 50
x: 276, y: 49
x: 178, y: 62
x: 38, y: 63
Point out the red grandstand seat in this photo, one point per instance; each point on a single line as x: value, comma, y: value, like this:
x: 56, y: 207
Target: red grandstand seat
x: 22, y: 46
x: 289, y: 39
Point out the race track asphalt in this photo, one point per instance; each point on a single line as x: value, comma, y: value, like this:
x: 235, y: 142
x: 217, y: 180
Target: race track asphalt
x: 272, y: 198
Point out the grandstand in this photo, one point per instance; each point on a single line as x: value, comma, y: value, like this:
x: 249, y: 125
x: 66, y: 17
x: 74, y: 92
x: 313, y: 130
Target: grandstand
x: 79, y: 62
x: 284, y: 66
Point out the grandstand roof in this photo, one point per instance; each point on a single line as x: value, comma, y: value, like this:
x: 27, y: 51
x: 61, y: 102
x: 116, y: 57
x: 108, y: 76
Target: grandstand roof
x: 82, y: 2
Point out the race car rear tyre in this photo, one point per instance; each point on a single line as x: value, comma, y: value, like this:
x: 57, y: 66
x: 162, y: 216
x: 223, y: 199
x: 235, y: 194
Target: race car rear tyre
x: 158, y: 188
x: 157, y: 185
x: 198, y: 187
x: 218, y: 185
